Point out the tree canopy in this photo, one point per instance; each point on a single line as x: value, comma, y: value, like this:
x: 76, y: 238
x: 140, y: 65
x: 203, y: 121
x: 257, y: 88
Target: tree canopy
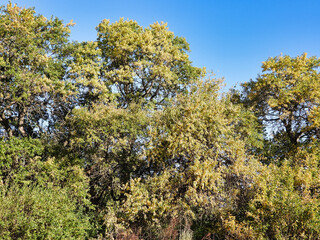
x: 286, y: 99
x: 148, y: 64
x: 123, y: 138
x: 32, y: 71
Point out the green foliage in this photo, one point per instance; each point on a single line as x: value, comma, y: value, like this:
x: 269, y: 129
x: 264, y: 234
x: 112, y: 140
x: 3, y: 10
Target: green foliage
x: 32, y: 212
x: 286, y: 99
x: 199, y: 124
x: 39, y: 197
x: 200, y: 170
x: 120, y: 138
x: 109, y: 141
x: 84, y: 67
x: 144, y: 63
x: 286, y: 205
x: 23, y: 162
x: 16, y: 155
x: 31, y: 71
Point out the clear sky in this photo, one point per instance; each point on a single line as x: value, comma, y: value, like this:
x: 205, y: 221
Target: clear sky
x: 229, y: 37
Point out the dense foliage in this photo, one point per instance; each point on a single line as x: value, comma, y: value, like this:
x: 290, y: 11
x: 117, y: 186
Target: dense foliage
x: 122, y: 138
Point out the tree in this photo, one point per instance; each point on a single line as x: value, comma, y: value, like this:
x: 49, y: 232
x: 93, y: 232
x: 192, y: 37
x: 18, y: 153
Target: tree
x: 109, y: 142
x: 286, y: 99
x: 31, y: 72
x: 199, y: 170
x: 149, y: 64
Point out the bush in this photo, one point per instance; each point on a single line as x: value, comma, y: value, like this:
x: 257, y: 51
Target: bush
x: 32, y: 212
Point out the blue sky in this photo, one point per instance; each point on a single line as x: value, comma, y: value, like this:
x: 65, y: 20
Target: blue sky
x: 229, y: 37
